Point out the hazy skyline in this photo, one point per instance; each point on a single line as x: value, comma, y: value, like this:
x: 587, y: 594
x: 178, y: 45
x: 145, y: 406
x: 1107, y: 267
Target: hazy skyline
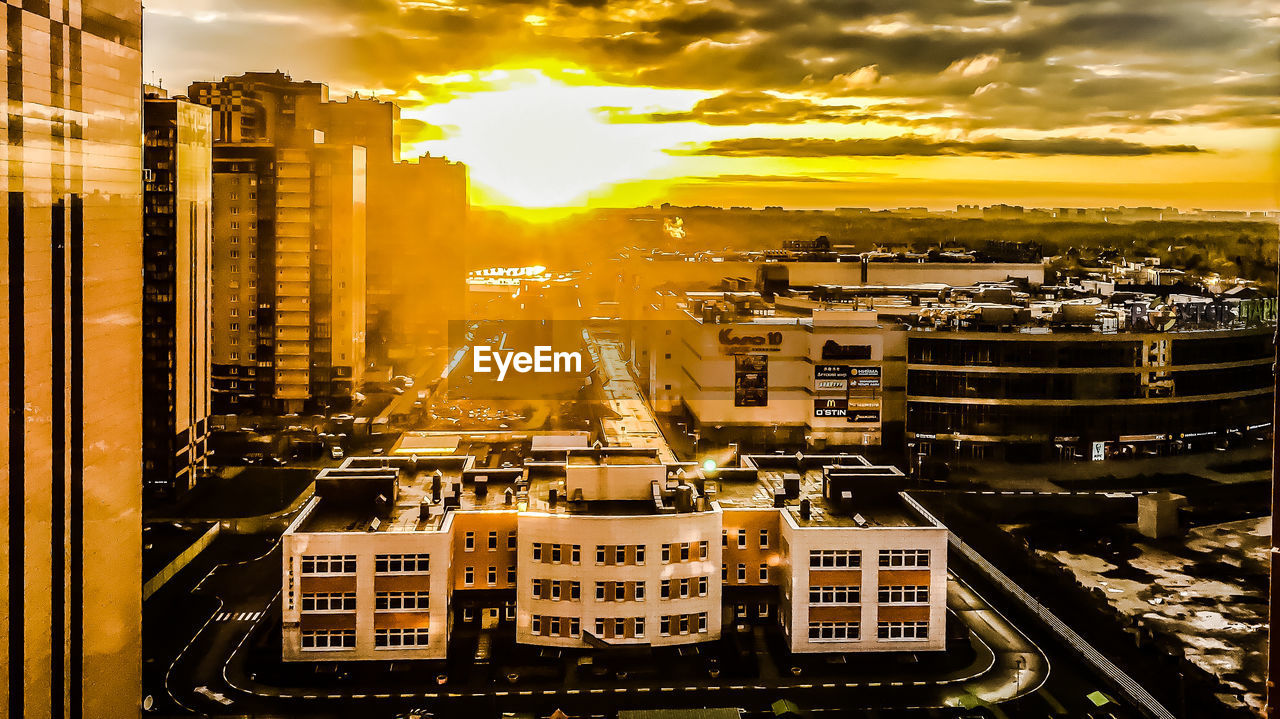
x: 803, y: 104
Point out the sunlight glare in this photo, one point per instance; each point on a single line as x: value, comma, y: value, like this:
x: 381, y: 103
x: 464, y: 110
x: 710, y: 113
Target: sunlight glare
x: 533, y: 141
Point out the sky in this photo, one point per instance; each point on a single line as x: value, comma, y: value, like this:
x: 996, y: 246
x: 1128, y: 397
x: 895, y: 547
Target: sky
x: 798, y: 103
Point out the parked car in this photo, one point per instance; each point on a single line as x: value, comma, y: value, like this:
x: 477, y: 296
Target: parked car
x: 335, y: 452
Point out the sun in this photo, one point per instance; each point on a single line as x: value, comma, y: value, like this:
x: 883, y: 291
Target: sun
x: 533, y: 141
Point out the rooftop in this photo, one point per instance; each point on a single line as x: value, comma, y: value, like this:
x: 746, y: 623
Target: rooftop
x: 402, y: 494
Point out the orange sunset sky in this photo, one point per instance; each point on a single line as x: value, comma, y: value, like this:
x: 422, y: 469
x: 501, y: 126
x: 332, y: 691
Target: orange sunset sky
x: 805, y: 104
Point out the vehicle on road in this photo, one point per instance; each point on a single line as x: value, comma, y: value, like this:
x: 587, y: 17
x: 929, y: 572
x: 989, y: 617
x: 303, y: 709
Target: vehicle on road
x: 335, y: 452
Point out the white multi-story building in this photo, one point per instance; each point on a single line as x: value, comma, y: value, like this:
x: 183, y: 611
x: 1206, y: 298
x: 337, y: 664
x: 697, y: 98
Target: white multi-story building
x: 609, y: 547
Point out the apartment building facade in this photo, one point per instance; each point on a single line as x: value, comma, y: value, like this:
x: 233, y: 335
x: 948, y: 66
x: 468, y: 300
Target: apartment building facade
x: 288, y: 249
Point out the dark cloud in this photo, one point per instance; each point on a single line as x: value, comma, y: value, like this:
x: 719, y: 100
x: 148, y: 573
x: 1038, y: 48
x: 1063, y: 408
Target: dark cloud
x: 750, y: 108
x: 919, y: 146
x: 771, y: 179
x: 705, y: 23
x: 1049, y: 63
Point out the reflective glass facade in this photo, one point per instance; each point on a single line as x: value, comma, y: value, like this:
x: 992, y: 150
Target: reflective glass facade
x: 70, y: 457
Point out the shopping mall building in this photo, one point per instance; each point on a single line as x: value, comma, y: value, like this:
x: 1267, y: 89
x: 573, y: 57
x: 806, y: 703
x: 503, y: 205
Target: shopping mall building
x: 1002, y: 370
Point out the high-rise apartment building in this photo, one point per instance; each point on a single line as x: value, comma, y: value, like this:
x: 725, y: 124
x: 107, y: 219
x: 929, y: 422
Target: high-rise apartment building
x: 177, y: 187
x: 288, y: 328
x: 71, y: 458
x: 417, y: 217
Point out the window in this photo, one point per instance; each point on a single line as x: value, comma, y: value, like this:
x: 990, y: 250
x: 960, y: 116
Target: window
x: 639, y: 554
x: 703, y: 550
x: 904, y: 557
x: 493, y: 540
x: 599, y: 627
x: 724, y: 572
x: 684, y: 623
x: 638, y: 623
x: 556, y: 555
x: 329, y: 564
x: 555, y: 591
x: 702, y: 621
x: 724, y: 538
x: 401, y: 601
x: 535, y: 625
x: 492, y: 575
x: 684, y: 551
x: 764, y: 539
x: 835, y: 595
x: 537, y: 589
x: 664, y: 626
x: 619, y: 591
x: 742, y: 573
x: 684, y: 588
x: 639, y: 591
x: 575, y: 554
x: 401, y: 563
x: 619, y: 627
x: 742, y: 539
x: 329, y: 639
x: 918, y: 594
x: 664, y: 589
x: 666, y: 554
x: 329, y: 602
x: 511, y: 573
x: 599, y: 591
x: 469, y: 576
x: 537, y: 551
x: 511, y: 540
x: 902, y: 630
x: 575, y: 590
x: 835, y: 558
x: 469, y: 542
x: 764, y: 573
x: 620, y: 554
x: 833, y: 631
x: 599, y: 554
x: 575, y: 626
x: 393, y: 638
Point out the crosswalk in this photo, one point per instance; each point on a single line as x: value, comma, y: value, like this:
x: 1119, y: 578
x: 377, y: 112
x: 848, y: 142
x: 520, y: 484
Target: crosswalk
x: 237, y: 616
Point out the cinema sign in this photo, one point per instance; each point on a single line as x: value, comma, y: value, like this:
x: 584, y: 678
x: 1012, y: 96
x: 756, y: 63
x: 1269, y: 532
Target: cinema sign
x: 732, y: 343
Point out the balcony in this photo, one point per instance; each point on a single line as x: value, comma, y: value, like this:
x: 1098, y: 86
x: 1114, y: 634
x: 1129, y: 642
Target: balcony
x: 293, y: 274
x: 292, y: 319
x: 294, y: 348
